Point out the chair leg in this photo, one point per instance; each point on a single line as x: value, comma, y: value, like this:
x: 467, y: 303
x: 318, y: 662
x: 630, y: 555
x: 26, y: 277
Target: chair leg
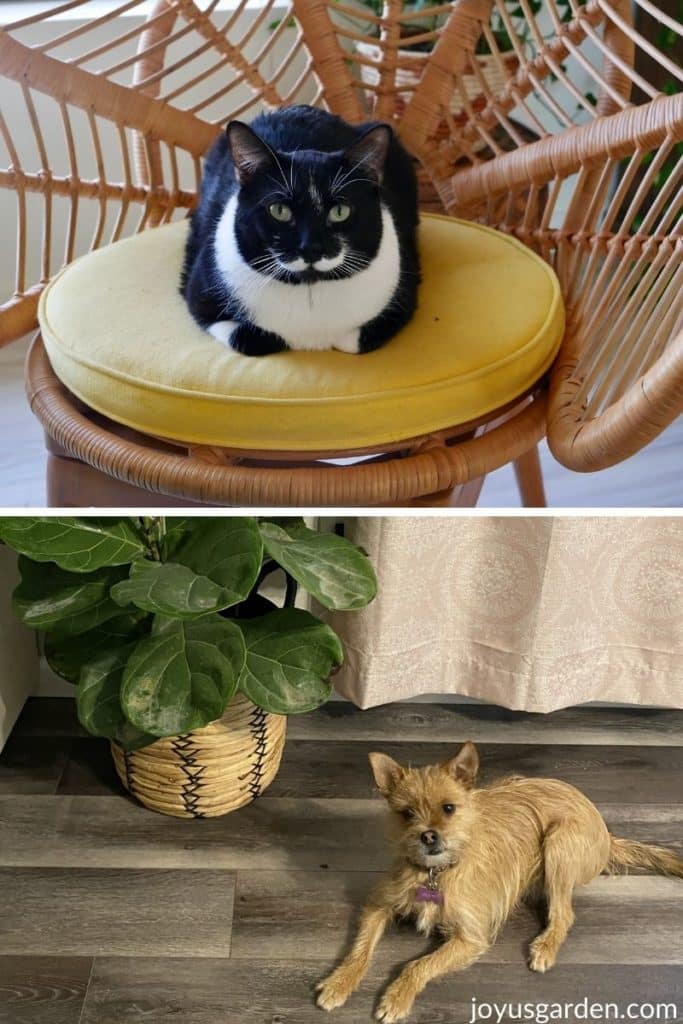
x: 530, y: 479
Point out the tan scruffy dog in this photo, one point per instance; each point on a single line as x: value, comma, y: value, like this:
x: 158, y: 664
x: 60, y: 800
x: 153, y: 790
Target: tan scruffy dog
x: 467, y: 856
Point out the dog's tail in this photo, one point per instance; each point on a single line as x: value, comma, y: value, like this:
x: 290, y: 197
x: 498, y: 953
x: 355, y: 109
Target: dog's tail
x: 625, y: 854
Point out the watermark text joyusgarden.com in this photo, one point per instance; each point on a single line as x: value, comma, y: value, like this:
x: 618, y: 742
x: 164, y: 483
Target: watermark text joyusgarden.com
x: 581, y: 1010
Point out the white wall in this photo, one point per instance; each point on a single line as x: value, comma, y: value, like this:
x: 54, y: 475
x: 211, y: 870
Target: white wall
x: 19, y: 662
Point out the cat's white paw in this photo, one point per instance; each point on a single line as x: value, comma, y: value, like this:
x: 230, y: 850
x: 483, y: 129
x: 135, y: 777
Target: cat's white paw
x: 349, y: 342
x: 222, y: 330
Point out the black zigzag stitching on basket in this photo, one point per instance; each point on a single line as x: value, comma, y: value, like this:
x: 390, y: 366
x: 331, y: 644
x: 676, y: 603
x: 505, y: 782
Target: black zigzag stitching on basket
x: 257, y: 726
x: 184, y: 747
x: 128, y: 765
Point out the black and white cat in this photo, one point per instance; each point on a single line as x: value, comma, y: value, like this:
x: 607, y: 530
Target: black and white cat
x: 305, y: 236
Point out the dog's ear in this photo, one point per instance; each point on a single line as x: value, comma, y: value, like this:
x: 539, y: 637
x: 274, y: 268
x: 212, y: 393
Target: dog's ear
x: 387, y: 772
x: 465, y: 765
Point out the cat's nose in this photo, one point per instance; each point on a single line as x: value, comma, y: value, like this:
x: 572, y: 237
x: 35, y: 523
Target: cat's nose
x: 311, y: 251
x: 430, y: 838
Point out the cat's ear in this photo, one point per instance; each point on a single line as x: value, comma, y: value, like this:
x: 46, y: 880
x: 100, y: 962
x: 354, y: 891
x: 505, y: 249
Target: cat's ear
x: 250, y: 154
x: 370, y: 150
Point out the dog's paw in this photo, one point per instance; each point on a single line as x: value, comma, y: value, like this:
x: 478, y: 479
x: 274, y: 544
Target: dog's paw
x: 396, y: 1003
x: 542, y: 955
x: 335, y: 989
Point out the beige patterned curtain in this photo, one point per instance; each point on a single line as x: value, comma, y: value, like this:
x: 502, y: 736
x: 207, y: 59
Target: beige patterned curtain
x: 528, y: 613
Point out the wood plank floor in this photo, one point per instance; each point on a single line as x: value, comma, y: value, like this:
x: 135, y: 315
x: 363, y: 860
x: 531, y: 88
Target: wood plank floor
x: 111, y: 914
x: 651, y: 479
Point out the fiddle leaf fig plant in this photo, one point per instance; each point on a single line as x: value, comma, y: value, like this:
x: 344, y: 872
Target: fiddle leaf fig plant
x: 159, y: 622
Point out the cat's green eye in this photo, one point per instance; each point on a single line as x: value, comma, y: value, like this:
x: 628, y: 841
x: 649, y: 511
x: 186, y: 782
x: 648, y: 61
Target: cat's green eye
x: 339, y: 213
x: 281, y: 212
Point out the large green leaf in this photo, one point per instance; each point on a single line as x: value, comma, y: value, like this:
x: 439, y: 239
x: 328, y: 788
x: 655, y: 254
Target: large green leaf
x: 78, y: 545
x: 227, y: 551
x: 170, y: 589
x: 290, y: 656
x: 331, y: 568
x: 67, y: 655
x: 67, y: 603
x: 183, y: 675
x: 215, y: 565
x: 98, y: 698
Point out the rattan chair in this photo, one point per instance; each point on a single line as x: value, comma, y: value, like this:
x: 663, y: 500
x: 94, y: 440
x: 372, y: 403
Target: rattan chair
x: 559, y: 122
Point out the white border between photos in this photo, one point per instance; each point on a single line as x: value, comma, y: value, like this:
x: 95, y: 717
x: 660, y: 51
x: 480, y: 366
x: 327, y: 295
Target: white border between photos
x: 360, y: 511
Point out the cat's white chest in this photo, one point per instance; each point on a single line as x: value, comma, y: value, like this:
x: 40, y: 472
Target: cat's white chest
x: 327, y: 314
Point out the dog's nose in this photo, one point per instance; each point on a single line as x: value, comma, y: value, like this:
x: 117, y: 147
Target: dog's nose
x: 430, y: 838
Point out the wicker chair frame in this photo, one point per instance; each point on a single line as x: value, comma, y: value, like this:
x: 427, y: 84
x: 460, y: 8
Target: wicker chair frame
x: 567, y: 135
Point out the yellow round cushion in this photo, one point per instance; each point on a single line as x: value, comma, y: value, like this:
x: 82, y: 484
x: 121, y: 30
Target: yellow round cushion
x: 120, y: 337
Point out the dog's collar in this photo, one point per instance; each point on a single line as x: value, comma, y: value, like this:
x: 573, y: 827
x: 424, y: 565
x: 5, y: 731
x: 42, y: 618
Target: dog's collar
x: 433, y: 876
x: 430, y: 893
x: 432, y: 873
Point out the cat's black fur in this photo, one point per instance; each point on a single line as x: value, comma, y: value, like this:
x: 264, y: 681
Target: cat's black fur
x: 310, y: 144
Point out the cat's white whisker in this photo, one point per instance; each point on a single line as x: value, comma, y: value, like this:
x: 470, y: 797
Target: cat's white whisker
x: 326, y: 263
x: 270, y: 264
x: 354, y: 265
x: 278, y: 191
x: 340, y: 191
x: 279, y: 167
x: 294, y: 266
x: 350, y: 171
x: 276, y: 196
x: 335, y: 180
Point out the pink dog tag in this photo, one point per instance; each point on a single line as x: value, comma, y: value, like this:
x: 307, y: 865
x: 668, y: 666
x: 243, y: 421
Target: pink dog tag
x: 425, y: 895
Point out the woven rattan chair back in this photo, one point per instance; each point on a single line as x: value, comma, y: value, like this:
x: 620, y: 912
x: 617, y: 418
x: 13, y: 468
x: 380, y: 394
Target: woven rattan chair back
x: 558, y: 121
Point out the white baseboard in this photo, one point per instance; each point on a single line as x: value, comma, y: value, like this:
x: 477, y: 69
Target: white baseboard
x: 50, y: 685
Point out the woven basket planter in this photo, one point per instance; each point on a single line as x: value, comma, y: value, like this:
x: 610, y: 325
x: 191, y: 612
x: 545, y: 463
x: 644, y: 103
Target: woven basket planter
x: 210, y: 771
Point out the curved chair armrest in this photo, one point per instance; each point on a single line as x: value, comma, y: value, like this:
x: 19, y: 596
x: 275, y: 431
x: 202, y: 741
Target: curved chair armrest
x: 557, y: 156
x: 651, y: 404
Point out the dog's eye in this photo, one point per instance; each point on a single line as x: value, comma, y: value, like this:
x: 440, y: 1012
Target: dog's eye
x: 408, y: 814
x: 447, y: 808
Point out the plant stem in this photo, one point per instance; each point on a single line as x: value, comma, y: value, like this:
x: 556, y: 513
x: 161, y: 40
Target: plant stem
x: 153, y: 529
x: 290, y: 591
